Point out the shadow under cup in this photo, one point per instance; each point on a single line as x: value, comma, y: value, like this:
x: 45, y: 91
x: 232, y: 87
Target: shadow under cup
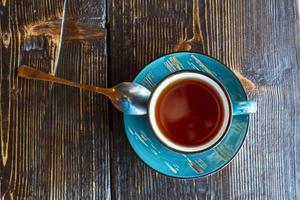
x: 183, y: 104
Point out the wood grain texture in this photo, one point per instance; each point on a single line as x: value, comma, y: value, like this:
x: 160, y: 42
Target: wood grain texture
x: 73, y: 30
x: 259, y: 41
x: 54, y: 139
x: 62, y: 143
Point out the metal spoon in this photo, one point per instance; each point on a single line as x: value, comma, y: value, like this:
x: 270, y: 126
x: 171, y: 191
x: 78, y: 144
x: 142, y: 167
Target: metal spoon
x: 130, y: 98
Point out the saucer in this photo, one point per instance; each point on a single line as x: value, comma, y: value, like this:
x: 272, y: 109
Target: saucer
x: 186, y: 165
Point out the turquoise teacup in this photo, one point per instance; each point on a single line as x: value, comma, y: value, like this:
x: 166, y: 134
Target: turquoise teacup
x: 177, y: 111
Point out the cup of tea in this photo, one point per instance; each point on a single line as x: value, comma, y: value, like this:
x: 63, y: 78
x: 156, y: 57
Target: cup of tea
x: 198, y: 115
x: 191, y: 111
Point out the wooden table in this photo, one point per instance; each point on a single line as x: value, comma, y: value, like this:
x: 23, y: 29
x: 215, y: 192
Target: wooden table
x: 62, y: 143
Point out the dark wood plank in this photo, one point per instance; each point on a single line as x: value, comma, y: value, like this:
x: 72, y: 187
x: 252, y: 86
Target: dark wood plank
x: 259, y: 41
x: 54, y: 139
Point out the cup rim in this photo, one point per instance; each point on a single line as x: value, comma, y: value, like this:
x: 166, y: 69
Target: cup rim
x: 229, y: 108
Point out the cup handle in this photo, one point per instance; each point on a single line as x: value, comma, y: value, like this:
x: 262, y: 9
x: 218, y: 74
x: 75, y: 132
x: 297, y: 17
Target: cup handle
x: 244, y: 107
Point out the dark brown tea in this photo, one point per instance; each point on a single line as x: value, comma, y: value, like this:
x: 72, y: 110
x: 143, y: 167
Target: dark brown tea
x: 189, y: 112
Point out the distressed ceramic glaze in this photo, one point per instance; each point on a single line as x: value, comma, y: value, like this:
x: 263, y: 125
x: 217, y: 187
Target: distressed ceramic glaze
x: 173, y: 163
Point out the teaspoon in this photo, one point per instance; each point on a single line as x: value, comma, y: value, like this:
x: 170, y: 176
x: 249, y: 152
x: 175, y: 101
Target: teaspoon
x: 130, y: 98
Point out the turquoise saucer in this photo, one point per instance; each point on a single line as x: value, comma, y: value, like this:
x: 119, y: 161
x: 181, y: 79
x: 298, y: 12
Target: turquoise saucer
x: 173, y: 163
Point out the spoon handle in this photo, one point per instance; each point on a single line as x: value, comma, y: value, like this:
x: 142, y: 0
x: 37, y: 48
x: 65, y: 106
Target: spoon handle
x: 30, y: 73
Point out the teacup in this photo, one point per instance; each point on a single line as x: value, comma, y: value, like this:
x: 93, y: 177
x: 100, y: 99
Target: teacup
x: 190, y: 111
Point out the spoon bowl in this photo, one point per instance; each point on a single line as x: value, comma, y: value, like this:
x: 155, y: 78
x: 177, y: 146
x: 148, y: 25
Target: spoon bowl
x: 131, y: 98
